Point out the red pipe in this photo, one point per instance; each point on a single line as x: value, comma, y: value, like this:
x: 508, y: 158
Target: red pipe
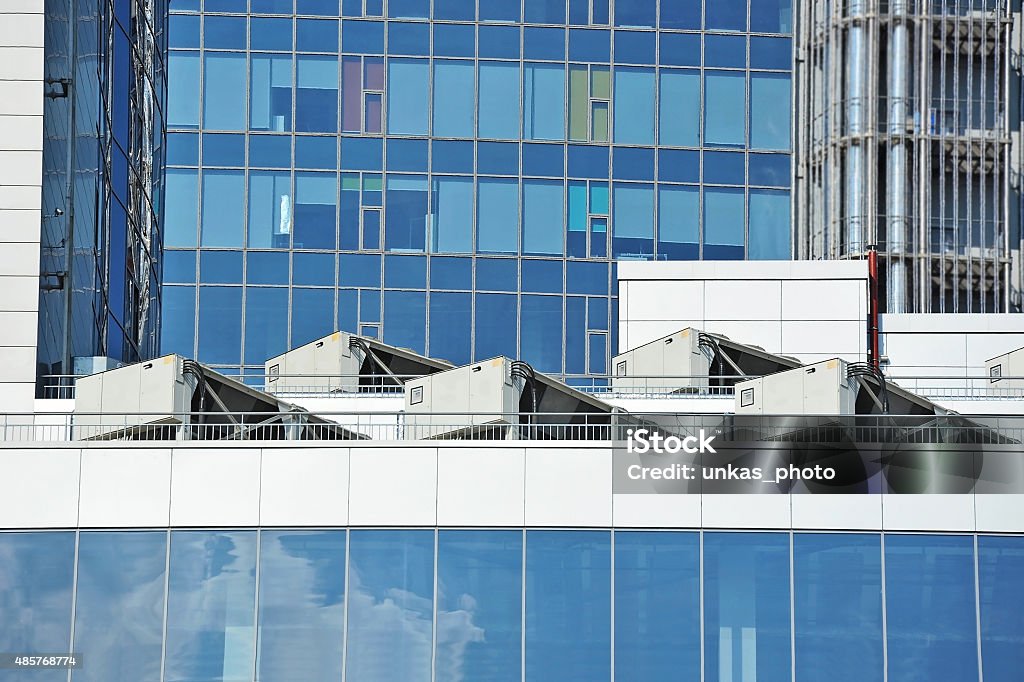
x: 873, y: 307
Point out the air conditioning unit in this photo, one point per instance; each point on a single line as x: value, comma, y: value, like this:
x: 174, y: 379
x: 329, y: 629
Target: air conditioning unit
x: 321, y: 366
x: 1004, y: 373
x: 462, y: 402
x: 653, y: 365
x: 823, y: 388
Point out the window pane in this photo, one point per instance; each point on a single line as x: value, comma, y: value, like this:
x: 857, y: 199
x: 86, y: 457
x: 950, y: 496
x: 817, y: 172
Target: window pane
x: 723, y: 216
x: 498, y: 274
x: 771, y: 53
x: 725, y: 104
x: 450, y: 331
x: 678, y: 222
x: 545, y: 11
x: 270, y: 210
x: 542, y: 345
x: 633, y: 223
x: 930, y: 608
x: 453, y: 98
x: 406, y: 212
x: 312, y: 315
x: 220, y: 325
x: 746, y: 606
x: 499, y: 100
x: 316, y: 94
x: 769, y: 111
x: 543, y: 211
x: 224, y: 75
x: 679, y: 108
x: 657, y: 604
x: 725, y: 51
x: 727, y: 15
x: 598, y: 353
x: 178, y: 315
x: 769, y: 225
x: 495, y: 326
x: 636, y: 13
x: 1000, y: 566
x: 211, y: 607
x: 682, y: 15
x: 265, y: 337
x: 301, y: 605
x: 266, y: 33
x: 390, y: 618
x: 408, y: 88
x: 453, y: 215
x: 771, y: 16
x: 223, y: 208
x: 119, y: 608
x: 454, y: 40
x: 634, y: 102
x: 405, y: 319
x: 270, y: 99
x: 498, y: 216
x: 544, y: 102
x: 838, y: 607
x: 568, y: 605
x: 180, y: 207
x: 182, y: 76
x: 316, y: 210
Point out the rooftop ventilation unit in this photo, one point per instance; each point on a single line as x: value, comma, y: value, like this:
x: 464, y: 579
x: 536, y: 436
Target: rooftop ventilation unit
x: 1006, y: 373
x: 691, y: 361
x: 174, y: 398
x: 501, y: 399
x: 346, y: 363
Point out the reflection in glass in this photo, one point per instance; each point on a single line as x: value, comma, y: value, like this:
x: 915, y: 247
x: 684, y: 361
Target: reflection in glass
x: 725, y: 107
x: 769, y: 111
x: 544, y: 102
x: 1000, y: 567
x: 271, y: 93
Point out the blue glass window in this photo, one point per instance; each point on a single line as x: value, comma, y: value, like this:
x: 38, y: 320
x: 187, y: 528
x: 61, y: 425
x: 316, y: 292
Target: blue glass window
x: 359, y: 270
x: 301, y: 605
x: 450, y: 333
x: 771, y: 53
x: 499, y: 158
x: 589, y: 45
x: 724, y: 107
x: 223, y: 208
x: 633, y: 224
x: 452, y: 230
x: 315, y: 269
x: 588, y: 161
x: 266, y: 267
x: 545, y: 11
x: 211, y: 606
x: 725, y: 51
x: 316, y: 94
x: 544, y: 43
x: 479, y: 588
x: 680, y: 49
x: 178, y: 323
x: 597, y: 354
x: 182, y: 149
x: 499, y: 100
x: 1000, y: 565
x: 746, y: 606
x: 227, y: 33
x: 678, y: 165
x: 546, y: 160
x: 634, y: 106
x: 454, y: 40
x: 543, y: 211
x: 316, y: 210
x: 312, y: 316
x: 223, y: 150
x: 680, y: 15
x: 930, y: 608
x: 631, y: 163
x: 769, y: 225
x: 270, y: 151
x: 568, y: 603
x: 361, y: 153
x: 635, y: 47
x: 455, y: 10
x: 726, y: 15
x: 316, y: 35
x: 220, y: 325
x: 497, y: 215
x: 406, y: 211
x: 542, y: 276
x: 453, y: 98
x: 597, y: 313
x: 314, y: 7
x: 405, y: 321
x: 542, y: 346
x: 771, y: 16
x: 451, y: 156
x: 771, y: 170
x: 270, y: 33
x: 636, y: 13
x: 183, y: 31
x: 679, y: 106
x: 179, y: 266
x: 119, y: 608
x: 316, y: 152
x: 270, y: 209
x: 408, y: 88
x: 180, y: 210
x: 544, y: 102
x: 362, y: 37
x: 220, y: 267
x: 451, y: 273
x: 409, y: 9
x: 575, y: 335
x: 769, y: 111
x: 499, y: 42
x: 678, y: 222
x: 497, y: 274
x: 223, y: 73
x: 265, y: 336
x: 182, y: 76
x: 408, y: 39
x: 657, y: 603
x: 499, y: 10
x: 270, y: 99
x: 586, y: 277
x: 724, y: 168
x: 724, y: 219
x: 270, y: 6
x: 407, y: 155
x: 495, y: 326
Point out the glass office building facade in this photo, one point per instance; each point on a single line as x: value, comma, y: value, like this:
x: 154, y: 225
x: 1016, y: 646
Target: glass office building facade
x: 513, y: 605
x: 459, y: 176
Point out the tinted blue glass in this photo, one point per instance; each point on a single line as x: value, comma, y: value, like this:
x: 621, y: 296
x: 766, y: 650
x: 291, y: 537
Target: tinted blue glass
x: 631, y: 163
x: 634, y: 105
x: 224, y: 32
x: 723, y: 218
x: 568, y: 605
x: 270, y: 96
x: 408, y: 88
x: 265, y: 336
x: 406, y: 211
x: 182, y: 149
x: 369, y: 305
x: 211, y: 606
x: 405, y: 272
x: 930, y: 608
x: 746, y: 606
x: 183, y: 31
x: 498, y: 114
x: 453, y: 98
x: 405, y: 322
x: 479, y: 592
x: 316, y: 152
x: 542, y: 276
x: 236, y: 6
x: 182, y: 75
x: 838, y: 607
x: 223, y: 208
x: 220, y: 325
x: 680, y: 49
x: 497, y: 274
x: 407, y: 155
x: 223, y: 150
x: 657, y: 605
x: 499, y: 42
x: 179, y: 266
x: 362, y: 37
x: 316, y: 35
x: 184, y: 5
x: 591, y: 45
x: 680, y: 15
x: 455, y: 10
x: 391, y: 604
x: 582, y: 277
x: 270, y: 33
x: 450, y: 334
x: 312, y: 314
x: 575, y: 335
x: 635, y: 47
x: 544, y: 102
x: 266, y: 267
x: 316, y: 94
x: 499, y: 10
x: 1000, y: 565
x: 181, y: 208
x: 543, y: 160
x: 361, y: 153
x: 495, y: 326
x: 223, y: 72
x: 408, y: 38
x: 769, y: 234
x: 327, y: 8
x: 316, y: 211
x: 679, y: 222
x: 724, y: 107
x: 451, y: 273
x: 454, y: 40
x: 727, y: 51
x: 119, y: 607
x: 726, y: 15
x: 316, y: 269
x: 270, y: 151
x: 452, y: 157
x: 271, y: 6
x: 679, y: 106
x: 301, y: 605
x: 497, y: 215
x: 724, y: 168
x: 35, y: 598
x: 637, y: 13
x: 452, y: 228
x: 544, y: 43
x: 769, y: 169
x: 545, y: 11
x: 771, y: 16
x: 359, y: 270
x: 270, y: 209
x: 501, y: 158
x: 597, y: 313
x: 543, y: 211
x: 769, y: 111
x: 588, y: 161
x: 771, y: 53
x: 542, y: 346
x: 409, y: 9
x: 178, y: 323
x: 220, y: 267
x: 633, y: 224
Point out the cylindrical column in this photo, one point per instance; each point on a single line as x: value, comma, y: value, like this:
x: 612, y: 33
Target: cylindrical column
x: 855, y: 95
x: 897, y: 163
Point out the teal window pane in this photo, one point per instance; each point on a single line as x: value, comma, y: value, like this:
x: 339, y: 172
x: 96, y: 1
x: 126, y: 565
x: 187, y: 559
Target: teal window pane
x: 633, y: 222
x: 724, y: 108
x: 182, y: 76
x: 270, y: 97
x: 544, y: 102
x: 408, y: 95
x: 578, y: 220
x: 453, y: 215
x: 181, y: 204
x: 453, y: 98
x: 769, y: 237
x: 270, y: 210
x: 543, y: 215
x: 599, y: 198
x: 678, y: 222
x: 223, y: 208
x: 497, y: 215
x: 499, y: 100
x: 634, y: 106
x: 225, y: 75
x: 679, y: 106
x: 724, y: 216
x: 769, y: 111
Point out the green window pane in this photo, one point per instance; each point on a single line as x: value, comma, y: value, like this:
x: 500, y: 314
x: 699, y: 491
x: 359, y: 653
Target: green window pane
x: 578, y: 102
x: 599, y: 132
x: 600, y: 83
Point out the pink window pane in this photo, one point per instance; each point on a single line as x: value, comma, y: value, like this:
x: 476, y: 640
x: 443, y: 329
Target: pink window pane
x: 374, y: 74
x: 373, y: 112
x: 351, y: 95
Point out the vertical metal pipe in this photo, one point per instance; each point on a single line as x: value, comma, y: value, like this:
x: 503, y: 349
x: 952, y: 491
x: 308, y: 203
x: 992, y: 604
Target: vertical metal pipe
x: 855, y: 129
x: 897, y: 162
